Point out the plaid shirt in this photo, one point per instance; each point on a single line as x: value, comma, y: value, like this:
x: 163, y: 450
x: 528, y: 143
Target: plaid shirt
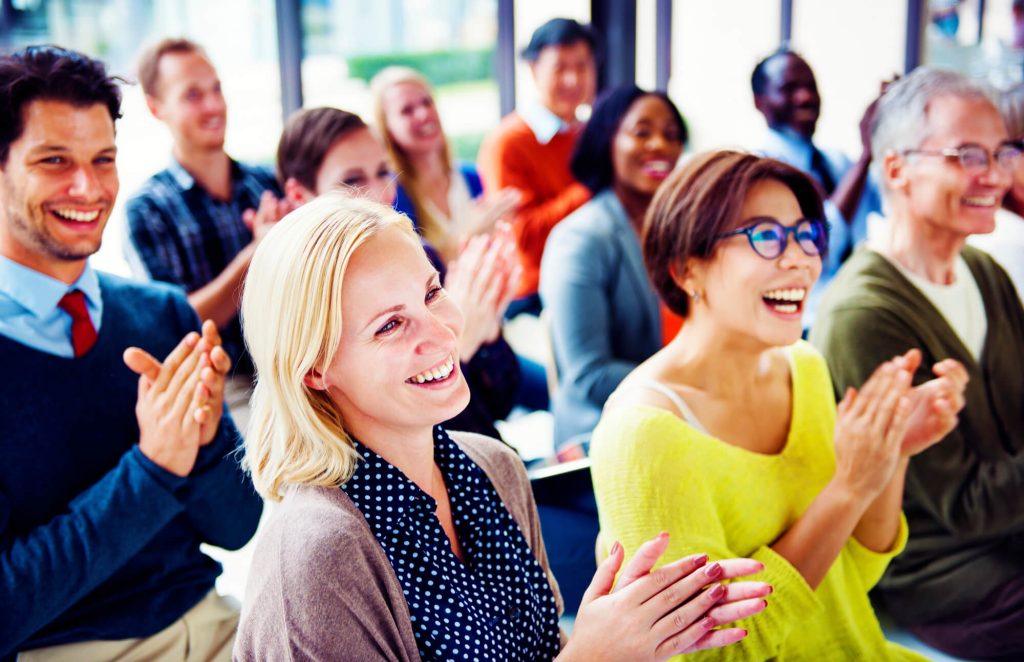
x: 184, y: 236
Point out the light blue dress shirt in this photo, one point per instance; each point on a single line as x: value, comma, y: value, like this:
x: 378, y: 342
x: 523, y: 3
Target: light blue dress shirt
x: 544, y: 123
x: 29, y: 312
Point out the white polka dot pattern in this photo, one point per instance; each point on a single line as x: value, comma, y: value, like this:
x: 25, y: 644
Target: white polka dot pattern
x: 496, y: 606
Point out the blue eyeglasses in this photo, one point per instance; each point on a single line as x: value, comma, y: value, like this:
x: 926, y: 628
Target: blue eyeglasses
x: 768, y: 237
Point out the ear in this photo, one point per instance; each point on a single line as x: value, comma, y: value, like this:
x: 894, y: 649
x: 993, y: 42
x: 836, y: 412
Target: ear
x: 296, y: 193
x: 759, y: 103
x: 894, y: 171
x: 153, y: 104
x: 688, y: 276
x: 315, y: 380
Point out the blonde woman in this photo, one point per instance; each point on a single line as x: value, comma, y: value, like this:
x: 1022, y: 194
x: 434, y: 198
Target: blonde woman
x: 443, y: 198
x: 393, y: 539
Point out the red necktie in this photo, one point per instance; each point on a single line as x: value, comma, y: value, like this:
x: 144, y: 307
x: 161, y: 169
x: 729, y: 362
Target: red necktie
x: 83, y: 333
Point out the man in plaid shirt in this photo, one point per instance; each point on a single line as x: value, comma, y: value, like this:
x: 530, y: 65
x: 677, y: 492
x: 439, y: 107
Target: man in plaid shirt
x: 197, y: 223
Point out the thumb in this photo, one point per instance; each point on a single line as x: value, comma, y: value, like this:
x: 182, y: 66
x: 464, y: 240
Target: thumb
x: 604, y: 578
x: 142, y: 363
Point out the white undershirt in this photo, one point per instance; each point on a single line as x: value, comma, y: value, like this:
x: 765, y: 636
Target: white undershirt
x: 960, y: 304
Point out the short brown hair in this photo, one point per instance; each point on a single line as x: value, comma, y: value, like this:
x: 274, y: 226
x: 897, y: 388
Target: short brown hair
x: 307, y: 137
x: 149, y: 61
x: 700, y: 201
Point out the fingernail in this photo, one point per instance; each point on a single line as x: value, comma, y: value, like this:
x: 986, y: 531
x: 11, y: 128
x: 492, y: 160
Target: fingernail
x: 191, y: 339
x: 707, y: 623
x: 663, y: 536
x: 765, y: 604
x: 717, y: 591
x: 700, y: 560
x: 771, y: 589
x: 713, y: 570
x: 615, y: 548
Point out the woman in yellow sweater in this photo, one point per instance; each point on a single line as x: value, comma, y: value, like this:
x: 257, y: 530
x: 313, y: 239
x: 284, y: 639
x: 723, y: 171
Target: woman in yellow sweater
x: 725, y: 437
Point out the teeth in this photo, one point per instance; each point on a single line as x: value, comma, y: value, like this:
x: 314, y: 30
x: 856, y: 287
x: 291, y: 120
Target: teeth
x: 979, y: 201
x: 434, y: 374
x: 788, y: 294
x: 78, y: 216
x: 658, y: 166
x: 786, y: 307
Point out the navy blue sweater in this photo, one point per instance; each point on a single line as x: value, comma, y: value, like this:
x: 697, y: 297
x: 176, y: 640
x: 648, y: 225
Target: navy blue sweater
x: 96, y: 541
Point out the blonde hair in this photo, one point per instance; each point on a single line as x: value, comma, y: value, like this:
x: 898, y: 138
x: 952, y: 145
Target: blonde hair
x: 432, y: 229
x: 292, y: 323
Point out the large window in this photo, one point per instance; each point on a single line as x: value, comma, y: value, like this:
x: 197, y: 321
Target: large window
x: 451, y: 42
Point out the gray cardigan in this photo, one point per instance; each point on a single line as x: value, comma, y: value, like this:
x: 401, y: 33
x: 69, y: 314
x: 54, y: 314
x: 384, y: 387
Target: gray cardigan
x: 321, y: 587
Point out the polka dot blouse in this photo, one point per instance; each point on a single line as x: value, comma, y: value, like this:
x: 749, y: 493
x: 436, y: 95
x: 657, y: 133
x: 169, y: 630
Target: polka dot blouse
x: 496, y: 606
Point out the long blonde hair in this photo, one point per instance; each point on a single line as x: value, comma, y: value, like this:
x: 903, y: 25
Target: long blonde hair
x: 291, y: 316
x: 432, y: 229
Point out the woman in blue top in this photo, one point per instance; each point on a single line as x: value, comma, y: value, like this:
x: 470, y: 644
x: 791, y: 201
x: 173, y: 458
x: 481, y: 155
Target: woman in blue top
x: 443, y: 199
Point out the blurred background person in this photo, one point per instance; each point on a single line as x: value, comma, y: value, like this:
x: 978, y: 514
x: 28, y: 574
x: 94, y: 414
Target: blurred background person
x: 530, y: 149
x: 604, y: 317
x: 443, y: 198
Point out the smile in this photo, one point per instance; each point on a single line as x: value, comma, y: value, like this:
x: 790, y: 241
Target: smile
x: 77, y: 216
x: 435, y: 374
x: 785, y: 300
x: 658, y: 168
x: 980, y: 201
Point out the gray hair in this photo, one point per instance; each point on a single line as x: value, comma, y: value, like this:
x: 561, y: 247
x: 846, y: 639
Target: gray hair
x: 901, y: 119
x: 1011, y: 105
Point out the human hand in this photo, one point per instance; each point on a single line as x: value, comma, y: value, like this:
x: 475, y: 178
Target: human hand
x: 871, y: 425
x: 491, y: 208
x: 478, y: 282
x: 934, y: 406
x: 262, y: 219
x: 656, y: 615
x: 170, y: 403
x: 214, y: 366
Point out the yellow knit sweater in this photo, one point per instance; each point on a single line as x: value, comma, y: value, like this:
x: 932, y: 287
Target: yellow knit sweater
x: 654, y: 472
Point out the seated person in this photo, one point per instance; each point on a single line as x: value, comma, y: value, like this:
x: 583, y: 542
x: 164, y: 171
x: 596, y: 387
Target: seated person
x: 603, y: 314
x: 946, y: 162
x: 1006, y: 242
x: 445, y: 203
x: 196, y: 223
x: 356, y: 349
x: 326, y: 148
x: 110, y: 481
x: 530, y: 149
x: 786, y: 94
x: 443, y: 199
x: 729, y: 438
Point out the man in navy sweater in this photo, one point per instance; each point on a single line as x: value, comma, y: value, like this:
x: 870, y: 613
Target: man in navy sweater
x: 115, y: 466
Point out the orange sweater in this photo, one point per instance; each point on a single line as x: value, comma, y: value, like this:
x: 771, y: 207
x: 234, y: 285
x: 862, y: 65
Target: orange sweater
x: 511, y: 156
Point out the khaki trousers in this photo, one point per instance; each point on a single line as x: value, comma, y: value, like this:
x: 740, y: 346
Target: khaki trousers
x: 206, y: 633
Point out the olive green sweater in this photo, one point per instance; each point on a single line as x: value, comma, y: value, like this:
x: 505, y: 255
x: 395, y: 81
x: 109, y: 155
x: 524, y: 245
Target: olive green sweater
x: 964, y: 497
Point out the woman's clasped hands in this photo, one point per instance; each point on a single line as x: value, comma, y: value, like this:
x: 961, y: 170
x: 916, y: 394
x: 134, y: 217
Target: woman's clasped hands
x: 672, y: 610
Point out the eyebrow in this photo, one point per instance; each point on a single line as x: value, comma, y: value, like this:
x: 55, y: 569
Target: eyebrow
x: 400, y: 307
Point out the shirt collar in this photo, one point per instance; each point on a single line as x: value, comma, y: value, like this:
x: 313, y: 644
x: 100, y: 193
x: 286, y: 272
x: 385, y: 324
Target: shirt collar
x: 38, y: 293
x: 789, y: 145
x: 544, y: 123
x: 186, y: 181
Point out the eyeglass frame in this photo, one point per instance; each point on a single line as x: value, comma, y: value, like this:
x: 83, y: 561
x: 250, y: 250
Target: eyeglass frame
x: 748, y: 229
x: 958, y: 154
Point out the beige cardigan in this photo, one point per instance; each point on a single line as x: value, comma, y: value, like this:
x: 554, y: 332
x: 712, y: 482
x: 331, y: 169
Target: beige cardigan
x: 321, y: 588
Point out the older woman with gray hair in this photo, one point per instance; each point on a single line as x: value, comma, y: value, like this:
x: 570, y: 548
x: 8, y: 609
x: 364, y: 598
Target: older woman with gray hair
x: 395, y: 540
x: 946, y: 162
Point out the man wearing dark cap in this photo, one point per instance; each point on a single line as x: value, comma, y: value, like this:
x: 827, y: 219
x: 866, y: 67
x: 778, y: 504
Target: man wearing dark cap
x: 116, y: 467
x: 531, y: 147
